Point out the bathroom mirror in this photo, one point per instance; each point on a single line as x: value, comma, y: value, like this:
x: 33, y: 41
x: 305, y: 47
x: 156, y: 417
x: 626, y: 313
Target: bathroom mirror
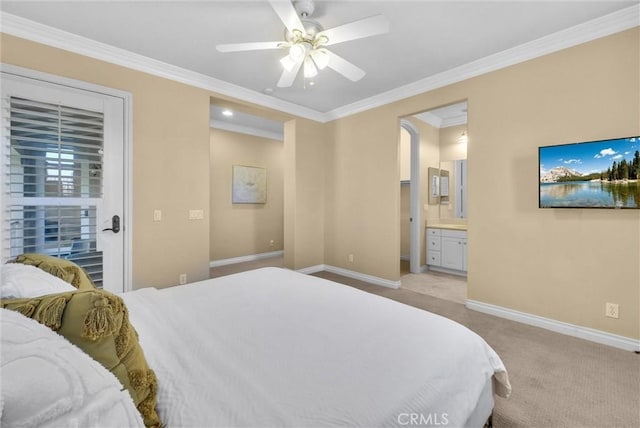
x: 434, y: 186
x: 453, y: 189
x: 444, y: 130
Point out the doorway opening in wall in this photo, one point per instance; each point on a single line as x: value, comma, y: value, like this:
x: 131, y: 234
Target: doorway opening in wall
x: 410, y: 218
x: 245, y: 233
x: 434, y: 203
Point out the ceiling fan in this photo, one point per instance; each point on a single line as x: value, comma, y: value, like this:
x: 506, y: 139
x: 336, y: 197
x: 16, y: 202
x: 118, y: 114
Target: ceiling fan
x: 306, y: 41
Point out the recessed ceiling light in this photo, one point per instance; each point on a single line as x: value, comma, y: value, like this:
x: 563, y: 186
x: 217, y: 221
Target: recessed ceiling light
x: 227, y: 113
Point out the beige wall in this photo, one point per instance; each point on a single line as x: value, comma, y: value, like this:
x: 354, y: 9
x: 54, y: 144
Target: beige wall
x: 450, y: 147
x: 518, y: 254
x: 170, y: 154
x: 245, y: 229
x: 304, y: 204
x: 405, y: 155
x: 552, y: 263
x: 363, y: 195
x: 451, y: 150
x: 429, y: 158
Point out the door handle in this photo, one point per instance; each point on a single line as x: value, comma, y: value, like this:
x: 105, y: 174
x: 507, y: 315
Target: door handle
x: 115, y: 224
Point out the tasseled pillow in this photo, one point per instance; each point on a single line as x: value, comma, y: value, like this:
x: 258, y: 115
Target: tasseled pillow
x: 98, y: 323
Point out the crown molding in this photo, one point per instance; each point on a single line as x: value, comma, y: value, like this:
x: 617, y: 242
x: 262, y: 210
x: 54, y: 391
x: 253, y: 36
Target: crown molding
x: 455, y: 121
x: 430, y: 119
x: 600, y: 27
x: 241, y: 129
x: 44, y: 34
x: 612, y: 23
x: 437, y: 122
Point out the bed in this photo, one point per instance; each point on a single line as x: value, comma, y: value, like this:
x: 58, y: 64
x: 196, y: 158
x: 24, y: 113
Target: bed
x: 273, y: 347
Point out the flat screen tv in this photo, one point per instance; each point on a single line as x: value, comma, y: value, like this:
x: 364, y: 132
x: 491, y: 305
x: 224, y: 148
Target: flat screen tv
x: 592, y: 174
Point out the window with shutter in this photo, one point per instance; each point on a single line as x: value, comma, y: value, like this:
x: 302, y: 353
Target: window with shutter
x: 54, y: 183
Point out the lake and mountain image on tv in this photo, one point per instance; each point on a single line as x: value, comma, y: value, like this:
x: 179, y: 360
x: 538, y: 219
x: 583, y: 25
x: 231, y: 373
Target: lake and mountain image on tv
x: 595, y: 174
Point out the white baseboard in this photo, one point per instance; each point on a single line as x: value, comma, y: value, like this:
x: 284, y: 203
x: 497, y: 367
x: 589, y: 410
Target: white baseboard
x: 445, y: 270
x: 312, y: 269
x: 405, y: 258
x: 351, y: 274
x: 586, y: 333
x: 241, y: 259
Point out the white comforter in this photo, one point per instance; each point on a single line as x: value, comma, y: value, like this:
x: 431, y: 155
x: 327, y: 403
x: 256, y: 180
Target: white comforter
x: 272, y: 347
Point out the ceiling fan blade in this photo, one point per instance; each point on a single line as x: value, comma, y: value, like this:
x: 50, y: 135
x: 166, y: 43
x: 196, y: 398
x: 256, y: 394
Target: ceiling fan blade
x: 288, y: 76
x: 366, y: 27
x: 344, y: 67
x: 252, y: 46
x: 288, y: 15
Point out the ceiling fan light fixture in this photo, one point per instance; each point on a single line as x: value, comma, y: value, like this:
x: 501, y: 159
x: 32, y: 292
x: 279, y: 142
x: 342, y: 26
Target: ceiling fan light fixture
x: 304, y: 7
x: 310, y: 69
x: 298, y: 51
x: 306, y: 39
x: 320, y: 57
x: 288, y: 63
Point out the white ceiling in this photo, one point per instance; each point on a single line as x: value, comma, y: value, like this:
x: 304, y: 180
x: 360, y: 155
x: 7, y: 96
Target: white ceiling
x: 428, y: 39
x: 245, y: 123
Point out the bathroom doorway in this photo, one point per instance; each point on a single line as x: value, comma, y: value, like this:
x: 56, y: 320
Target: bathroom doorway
x: 410, y: 221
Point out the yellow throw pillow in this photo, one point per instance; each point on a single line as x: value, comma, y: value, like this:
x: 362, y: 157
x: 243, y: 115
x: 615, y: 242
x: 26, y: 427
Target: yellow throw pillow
x: 64, y: 269
x: 98, y: 323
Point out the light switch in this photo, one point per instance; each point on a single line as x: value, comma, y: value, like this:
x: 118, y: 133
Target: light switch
x: 196, y: 214
x: 157, y: 215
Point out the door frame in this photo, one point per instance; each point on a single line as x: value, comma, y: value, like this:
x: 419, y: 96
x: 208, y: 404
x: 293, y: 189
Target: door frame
x: 127, y: 99
x: 414, y: 192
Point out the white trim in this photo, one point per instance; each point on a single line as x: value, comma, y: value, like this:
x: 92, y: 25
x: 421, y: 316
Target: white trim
x: 242, y: 259
x: 40, y: 33
x: 127, y: 98
x: 312, y: 269
x: 414, y: 197
x: 616, y: 22
x: 351, y: 274
x: 455, y: 121
x: 586, y: 333
x: 437, y: 122
x: 127, y: 230
x: 62, y: 81
x: 233, y: 127
x: 430, y: 119
x: 447, y: 270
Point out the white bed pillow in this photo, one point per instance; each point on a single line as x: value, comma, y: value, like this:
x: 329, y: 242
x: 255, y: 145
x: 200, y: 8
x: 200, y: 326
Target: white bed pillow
x: 20, y: 281
x: 49, y: 382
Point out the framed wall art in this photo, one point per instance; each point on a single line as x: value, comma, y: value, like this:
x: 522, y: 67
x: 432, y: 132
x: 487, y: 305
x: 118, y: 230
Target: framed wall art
x: 249, y: 185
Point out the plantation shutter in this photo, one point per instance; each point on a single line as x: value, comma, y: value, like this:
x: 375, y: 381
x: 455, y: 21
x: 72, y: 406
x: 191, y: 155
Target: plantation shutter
x: 53, y: 175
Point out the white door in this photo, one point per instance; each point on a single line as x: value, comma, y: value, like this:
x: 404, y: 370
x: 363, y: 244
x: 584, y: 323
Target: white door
x: 62, y: 176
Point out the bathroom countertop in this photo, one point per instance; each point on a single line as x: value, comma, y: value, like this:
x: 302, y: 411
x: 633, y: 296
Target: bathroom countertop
x: 451, y: 226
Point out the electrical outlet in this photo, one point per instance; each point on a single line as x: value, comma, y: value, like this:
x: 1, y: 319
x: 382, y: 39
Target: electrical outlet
x: 157, y: 215
x: 272, y: 243
x: 612, y: 310
x: 350, y: 258
x: 196, y: 214
x: 183, y: 279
